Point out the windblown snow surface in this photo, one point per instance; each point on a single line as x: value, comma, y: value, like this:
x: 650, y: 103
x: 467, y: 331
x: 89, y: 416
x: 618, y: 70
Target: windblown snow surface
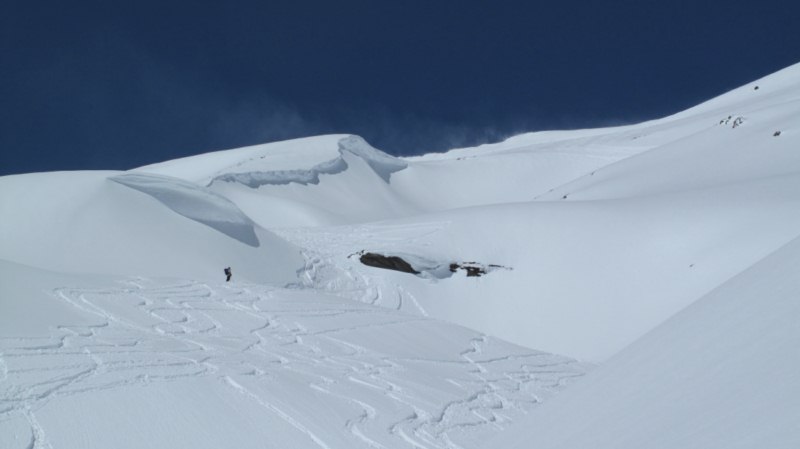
x: 640, y: 292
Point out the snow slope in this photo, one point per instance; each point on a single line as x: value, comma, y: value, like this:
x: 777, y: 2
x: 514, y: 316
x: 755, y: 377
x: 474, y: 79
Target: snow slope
x: 723, y: 373
x: 196, y: 203
x: 609, y: 232
x: 662, y: 250
x: 89, y: 222
x: 587, y: 279
x: 160, y: 364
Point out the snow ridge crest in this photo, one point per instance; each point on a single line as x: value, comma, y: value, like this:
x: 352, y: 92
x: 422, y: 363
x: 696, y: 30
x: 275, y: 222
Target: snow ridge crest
x: 381, y: 163
x: 194, y: 202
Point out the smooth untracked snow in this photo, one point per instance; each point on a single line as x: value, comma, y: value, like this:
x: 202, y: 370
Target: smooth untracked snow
x: 723, y: 373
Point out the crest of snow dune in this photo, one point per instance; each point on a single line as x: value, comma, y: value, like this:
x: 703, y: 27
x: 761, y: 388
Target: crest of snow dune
x: 383, y: 165
x: 194, y: 202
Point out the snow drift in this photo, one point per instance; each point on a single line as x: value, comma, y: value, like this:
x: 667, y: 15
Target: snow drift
x: 82, y: 222
x: 196, y: 203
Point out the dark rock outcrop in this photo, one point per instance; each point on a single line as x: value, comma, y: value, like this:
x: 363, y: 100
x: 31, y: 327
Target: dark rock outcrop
x: 387, y: 262
x: 471, y: 269
x: 474, y: 269
x: 424, y: 267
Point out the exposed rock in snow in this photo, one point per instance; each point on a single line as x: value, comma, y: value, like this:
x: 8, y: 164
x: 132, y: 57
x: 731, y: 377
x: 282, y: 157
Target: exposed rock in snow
x: 475, y: 269
x: 414, y: 264
x: 387, y: 262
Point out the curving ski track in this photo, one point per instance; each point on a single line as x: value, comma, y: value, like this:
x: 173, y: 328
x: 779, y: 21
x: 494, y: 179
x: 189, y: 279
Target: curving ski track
x: 399, y: 392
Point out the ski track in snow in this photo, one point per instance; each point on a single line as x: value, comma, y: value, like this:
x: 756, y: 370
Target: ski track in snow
x: 329, y: 266
x: 241, y: 334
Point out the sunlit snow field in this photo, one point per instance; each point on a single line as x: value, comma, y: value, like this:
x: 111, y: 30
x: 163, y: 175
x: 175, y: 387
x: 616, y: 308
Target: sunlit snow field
x: 641, y: 292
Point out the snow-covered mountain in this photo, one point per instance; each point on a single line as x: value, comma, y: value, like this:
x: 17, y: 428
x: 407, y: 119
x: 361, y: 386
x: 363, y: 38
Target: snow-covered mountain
x: 662, y: 251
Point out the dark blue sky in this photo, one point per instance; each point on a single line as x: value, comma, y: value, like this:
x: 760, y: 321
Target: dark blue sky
x: 114, y: 85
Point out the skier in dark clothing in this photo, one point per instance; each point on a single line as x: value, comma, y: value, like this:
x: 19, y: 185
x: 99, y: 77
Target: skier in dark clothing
x: 228, y: 274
